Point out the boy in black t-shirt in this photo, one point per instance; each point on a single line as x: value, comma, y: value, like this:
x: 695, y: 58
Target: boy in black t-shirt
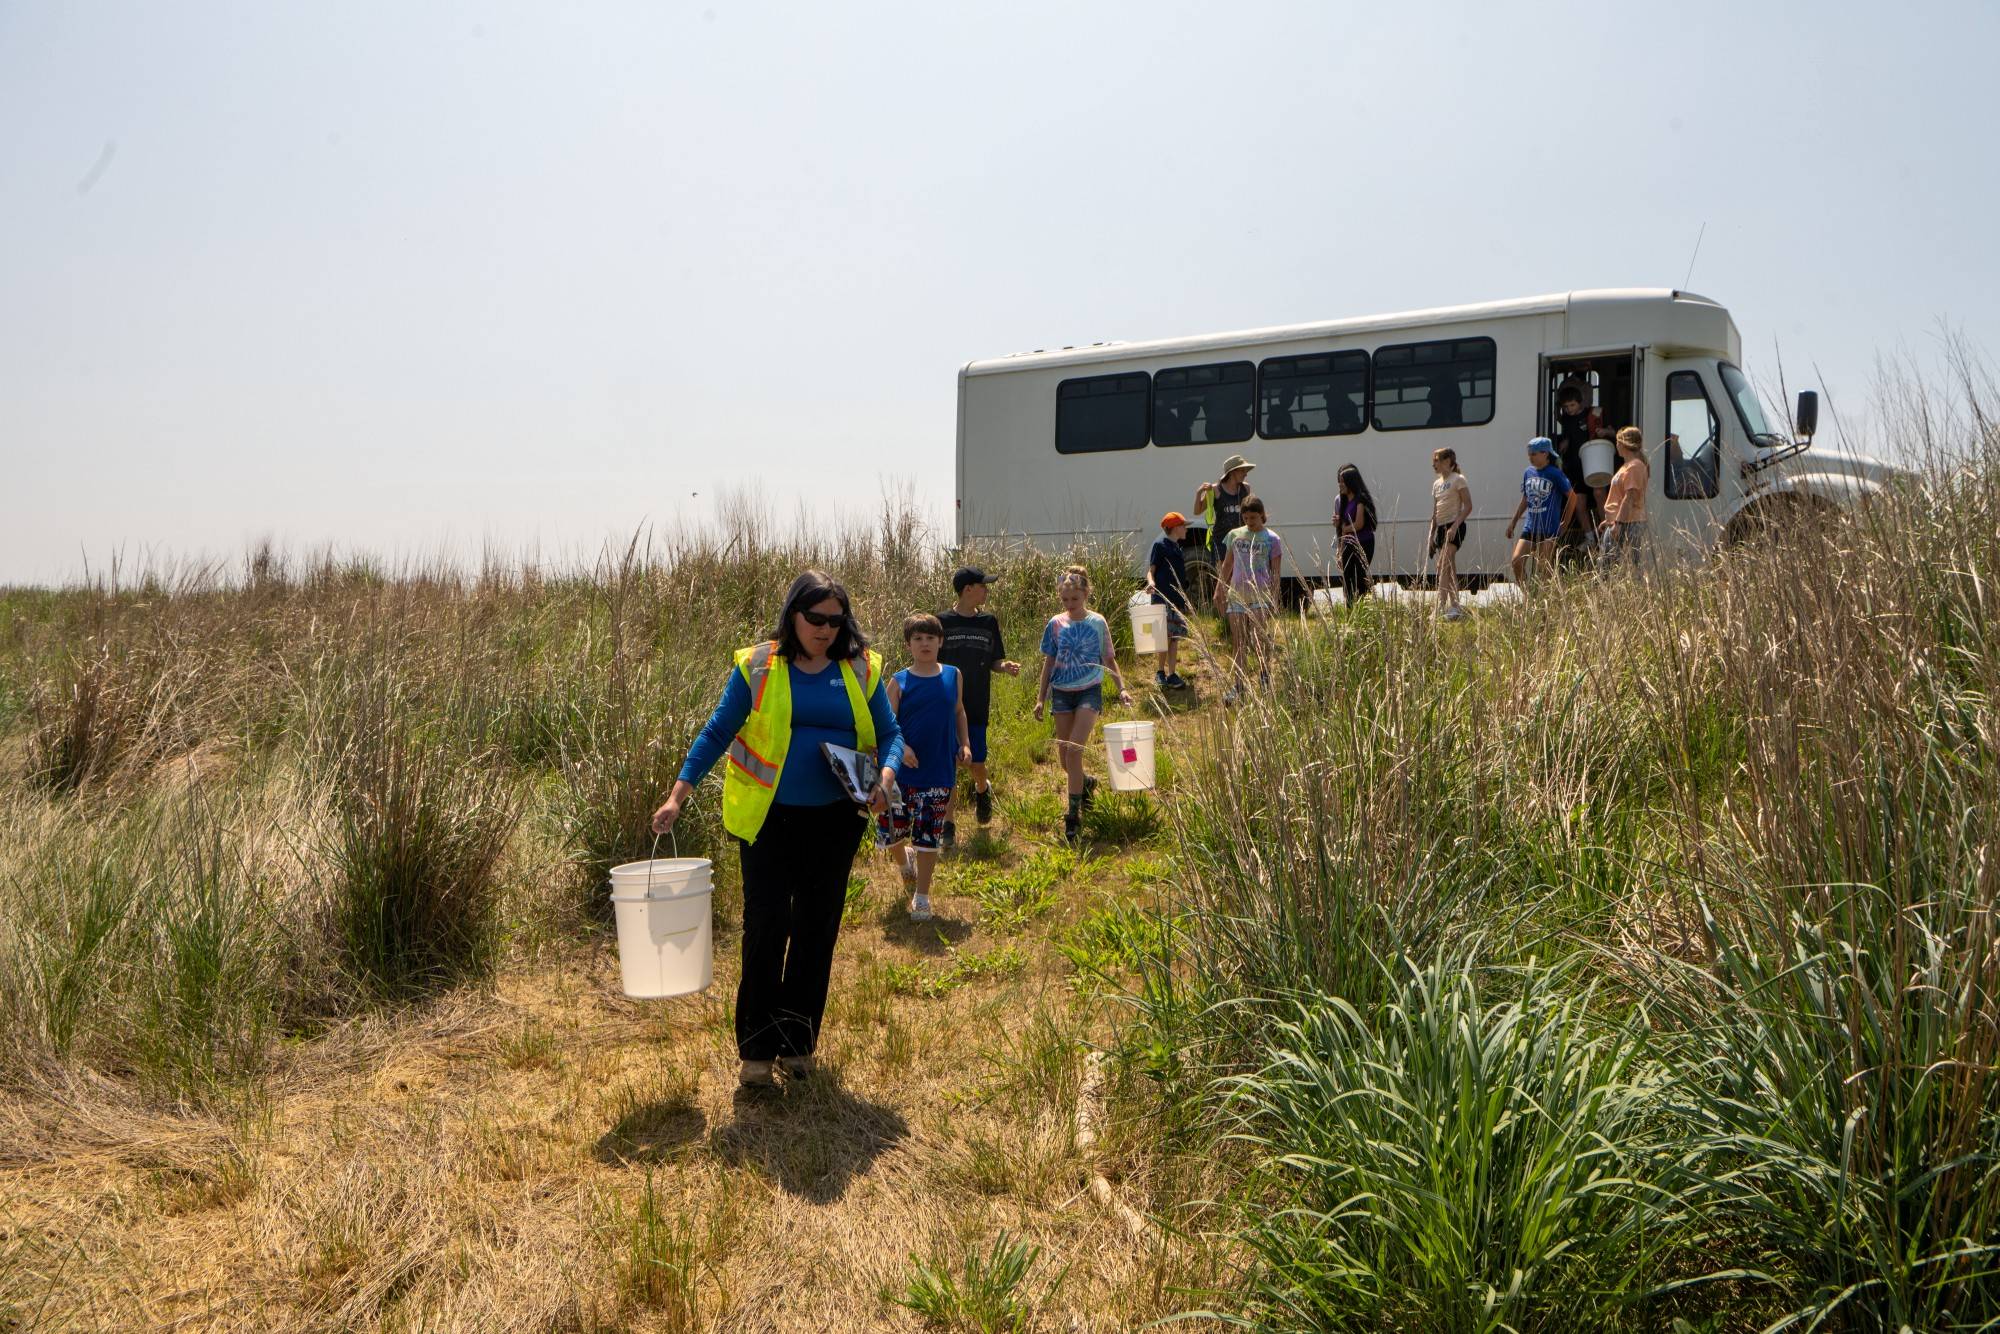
x: 1166, y: 580
x: 972, y: 644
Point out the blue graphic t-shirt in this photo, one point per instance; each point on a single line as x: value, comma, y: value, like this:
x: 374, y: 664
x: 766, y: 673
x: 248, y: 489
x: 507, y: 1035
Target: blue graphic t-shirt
x: 1546, y: 490
x: 1080, y: 649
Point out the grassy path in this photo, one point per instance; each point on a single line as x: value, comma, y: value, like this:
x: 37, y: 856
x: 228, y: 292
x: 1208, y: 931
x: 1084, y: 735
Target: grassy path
x: 542, y: 1154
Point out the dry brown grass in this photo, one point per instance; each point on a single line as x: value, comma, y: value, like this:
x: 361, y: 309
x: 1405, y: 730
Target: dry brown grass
x: 485, y: 1160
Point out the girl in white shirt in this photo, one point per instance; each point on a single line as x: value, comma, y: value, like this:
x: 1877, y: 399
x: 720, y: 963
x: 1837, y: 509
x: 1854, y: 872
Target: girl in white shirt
x: 1451, y: 506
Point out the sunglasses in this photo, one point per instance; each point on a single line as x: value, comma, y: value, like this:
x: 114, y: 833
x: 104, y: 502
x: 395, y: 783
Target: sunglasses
x: 824, y: 618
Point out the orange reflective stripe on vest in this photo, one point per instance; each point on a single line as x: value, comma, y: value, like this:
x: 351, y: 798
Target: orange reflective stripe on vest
x: 750, y: 762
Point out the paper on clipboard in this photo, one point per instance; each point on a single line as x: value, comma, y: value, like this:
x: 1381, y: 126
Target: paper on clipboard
x: 856, y: 770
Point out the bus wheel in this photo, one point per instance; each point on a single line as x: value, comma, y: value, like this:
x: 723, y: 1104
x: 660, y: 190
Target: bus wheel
x: 1201, y: 577
x: 1771, y: 517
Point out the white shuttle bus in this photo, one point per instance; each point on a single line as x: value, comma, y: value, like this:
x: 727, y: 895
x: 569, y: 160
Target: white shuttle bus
x: 1097, y: 442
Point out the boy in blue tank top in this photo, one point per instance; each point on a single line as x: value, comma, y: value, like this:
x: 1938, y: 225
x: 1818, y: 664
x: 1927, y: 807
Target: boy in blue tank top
x: 929, y: 701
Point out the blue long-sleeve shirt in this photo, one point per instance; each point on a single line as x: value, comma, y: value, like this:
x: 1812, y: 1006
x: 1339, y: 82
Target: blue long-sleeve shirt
x: 820, y: 712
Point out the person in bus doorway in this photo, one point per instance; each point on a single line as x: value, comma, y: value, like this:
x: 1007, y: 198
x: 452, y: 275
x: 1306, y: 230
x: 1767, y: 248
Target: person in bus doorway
x: 1574, y: 430
x: 1624, y: 527
x: 1451, y: 506
x: 796, y: 830
x: 1548, y: 503
x: 1247, y: 588
x: 1354, y: 520
x: 1166, y: 582
x: 1221, y: 503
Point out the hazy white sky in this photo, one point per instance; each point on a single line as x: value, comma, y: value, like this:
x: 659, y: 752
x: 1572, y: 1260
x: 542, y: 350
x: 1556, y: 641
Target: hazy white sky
x: 399, y: 276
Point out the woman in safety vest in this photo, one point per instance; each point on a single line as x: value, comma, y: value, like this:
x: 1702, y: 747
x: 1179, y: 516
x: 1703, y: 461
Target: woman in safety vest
x: 796, y: 828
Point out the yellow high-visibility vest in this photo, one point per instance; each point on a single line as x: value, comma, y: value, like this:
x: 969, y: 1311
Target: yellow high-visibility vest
x: 757, y: 755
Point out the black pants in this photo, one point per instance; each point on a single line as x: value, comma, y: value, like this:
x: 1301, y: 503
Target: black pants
x: 794, y: 888
x: 1354, y: 563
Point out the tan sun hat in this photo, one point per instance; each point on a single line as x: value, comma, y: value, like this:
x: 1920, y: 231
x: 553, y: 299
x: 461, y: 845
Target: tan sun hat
x: 1235, y: 461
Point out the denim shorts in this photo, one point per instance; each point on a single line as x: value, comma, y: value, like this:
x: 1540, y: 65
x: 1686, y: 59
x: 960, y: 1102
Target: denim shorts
x: 1069, y: 701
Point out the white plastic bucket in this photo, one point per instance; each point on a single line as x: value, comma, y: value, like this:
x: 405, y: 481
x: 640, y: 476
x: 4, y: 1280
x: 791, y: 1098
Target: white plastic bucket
x: 1149, y: 627
x: 1600, y: 460
x: 1128, y: 751
x: 666, y: 940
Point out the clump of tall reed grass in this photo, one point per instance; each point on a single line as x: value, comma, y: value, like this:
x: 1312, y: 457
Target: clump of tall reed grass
x: 144, y: 943
x: 109, y: 709
x: 1444, y: 1159
x: 419, y: 814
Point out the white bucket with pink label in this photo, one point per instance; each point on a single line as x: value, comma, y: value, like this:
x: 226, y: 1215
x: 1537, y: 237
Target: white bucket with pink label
x: 1128, y: 752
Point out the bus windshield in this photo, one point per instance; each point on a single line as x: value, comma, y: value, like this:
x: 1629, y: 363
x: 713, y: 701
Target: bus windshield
x: 1747, y: 406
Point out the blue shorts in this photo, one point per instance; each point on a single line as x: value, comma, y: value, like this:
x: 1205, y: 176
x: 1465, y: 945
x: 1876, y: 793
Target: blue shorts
x: 1534, y: 535
x: 1069, y: 701
x: 976, y: 733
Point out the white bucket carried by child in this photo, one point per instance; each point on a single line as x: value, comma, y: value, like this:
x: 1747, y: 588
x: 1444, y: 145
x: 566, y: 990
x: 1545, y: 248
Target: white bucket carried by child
x: 665, y: 936
x: 1149, y: 624
x: 1600, y: 460
x: 1128, y: 751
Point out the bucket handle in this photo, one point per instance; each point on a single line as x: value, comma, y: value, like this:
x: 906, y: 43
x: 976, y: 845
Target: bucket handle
x: 653, y: 858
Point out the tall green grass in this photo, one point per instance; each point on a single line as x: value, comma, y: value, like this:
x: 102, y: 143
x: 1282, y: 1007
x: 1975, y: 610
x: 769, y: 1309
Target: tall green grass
x: 1748, y: 808
x: 236, y: 805
x: 1442, y: 1159
x: 148, y: 948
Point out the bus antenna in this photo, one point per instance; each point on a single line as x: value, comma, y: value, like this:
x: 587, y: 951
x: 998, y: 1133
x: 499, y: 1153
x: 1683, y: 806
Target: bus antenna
x: 1697, y: 251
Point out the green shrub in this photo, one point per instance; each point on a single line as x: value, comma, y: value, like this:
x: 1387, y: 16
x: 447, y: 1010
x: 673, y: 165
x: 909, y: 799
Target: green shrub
x: 984, y: 1294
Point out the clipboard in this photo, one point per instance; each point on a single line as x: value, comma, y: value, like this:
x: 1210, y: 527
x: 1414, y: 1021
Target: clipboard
x: 856, y: 770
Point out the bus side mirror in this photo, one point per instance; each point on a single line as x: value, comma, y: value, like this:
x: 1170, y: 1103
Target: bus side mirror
x: 1807, y: 420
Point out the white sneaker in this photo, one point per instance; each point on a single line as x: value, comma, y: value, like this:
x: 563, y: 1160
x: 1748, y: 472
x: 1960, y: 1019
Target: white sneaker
x: 920, y: 907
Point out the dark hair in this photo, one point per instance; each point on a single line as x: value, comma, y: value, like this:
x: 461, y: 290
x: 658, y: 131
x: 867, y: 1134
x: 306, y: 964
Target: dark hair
x: 1253, y: 503
x: 1350, y: 476
x: 922, y: 623
x: 817, y: 586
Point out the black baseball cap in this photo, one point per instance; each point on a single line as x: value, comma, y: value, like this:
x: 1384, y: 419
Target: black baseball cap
x: 967, y: 576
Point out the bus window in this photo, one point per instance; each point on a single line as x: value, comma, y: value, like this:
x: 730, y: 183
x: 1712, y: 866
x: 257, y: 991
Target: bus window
x: 1694, y: 440
x: 1102, y: 412
x: 1204, y: 405
x: 1421, y: 386
x: 1323, y: 394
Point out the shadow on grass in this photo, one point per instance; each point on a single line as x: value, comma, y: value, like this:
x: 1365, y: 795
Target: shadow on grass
x: 653, y: 1132
x: 812, y: 1137
x: 936, y: 936
x: 981, y: 845
x: 1185, y: 700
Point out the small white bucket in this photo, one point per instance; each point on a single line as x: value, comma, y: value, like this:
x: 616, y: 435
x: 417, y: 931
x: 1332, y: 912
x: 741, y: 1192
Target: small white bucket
x: 1149, y: 627
x: 1600, y: 460
x: 666, y: 937
x: 1128, y: 751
